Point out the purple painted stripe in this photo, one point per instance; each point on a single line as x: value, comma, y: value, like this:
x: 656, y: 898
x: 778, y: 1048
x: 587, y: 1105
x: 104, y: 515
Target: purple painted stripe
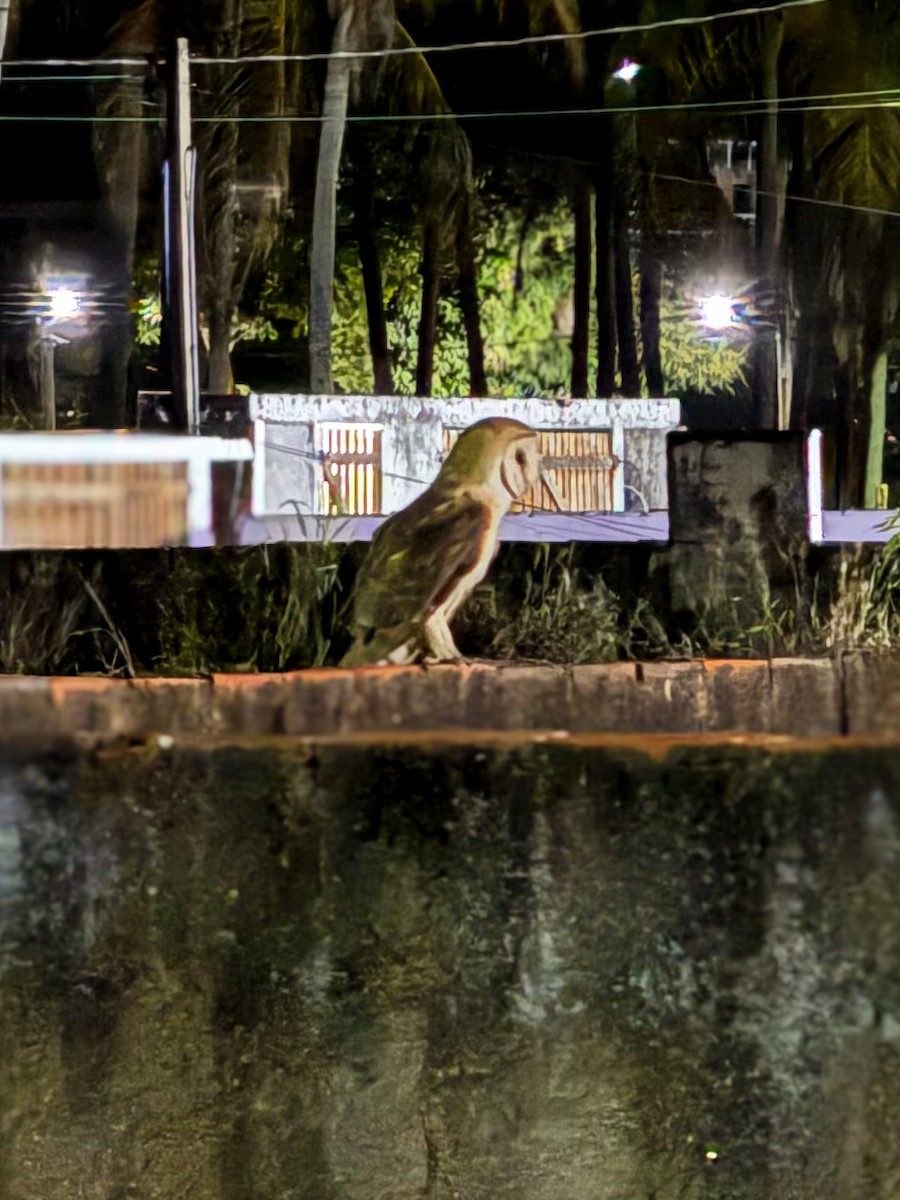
x: 517, y: 527
x: 860, y: 525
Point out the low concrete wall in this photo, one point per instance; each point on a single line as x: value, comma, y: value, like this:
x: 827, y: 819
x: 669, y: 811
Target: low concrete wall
x: 856, y: 694
x: 487, y: 967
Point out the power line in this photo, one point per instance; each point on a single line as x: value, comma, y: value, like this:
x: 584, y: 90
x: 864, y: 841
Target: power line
x: 744, y: 107
x: 451, y: 47
x: 537, y: 39
x: 75, y: 62
x: 860, y: 208
x: 133, y: 78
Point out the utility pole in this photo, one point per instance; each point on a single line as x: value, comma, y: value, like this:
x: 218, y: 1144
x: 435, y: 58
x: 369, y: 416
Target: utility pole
x: 180, y: 292
x: 767, y: 387
x: 46, y: 347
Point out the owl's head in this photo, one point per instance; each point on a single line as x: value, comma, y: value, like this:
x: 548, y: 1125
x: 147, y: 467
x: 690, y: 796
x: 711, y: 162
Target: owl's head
x: 499, y: 452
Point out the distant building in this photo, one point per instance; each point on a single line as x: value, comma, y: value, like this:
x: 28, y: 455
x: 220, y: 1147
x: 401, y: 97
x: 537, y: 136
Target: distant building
x: 733, y: 165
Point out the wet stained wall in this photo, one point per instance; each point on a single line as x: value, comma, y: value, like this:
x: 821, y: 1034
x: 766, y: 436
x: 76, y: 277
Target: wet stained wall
x: 322, y: 970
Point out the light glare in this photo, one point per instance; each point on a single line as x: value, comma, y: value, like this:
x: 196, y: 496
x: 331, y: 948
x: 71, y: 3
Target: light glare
x: 63, y: 303
x: 626, y: 71
x: 717, y: 311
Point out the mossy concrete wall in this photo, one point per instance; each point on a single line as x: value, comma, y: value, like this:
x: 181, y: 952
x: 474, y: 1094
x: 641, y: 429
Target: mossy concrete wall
x: 483, y: 966
x: 854, y: 693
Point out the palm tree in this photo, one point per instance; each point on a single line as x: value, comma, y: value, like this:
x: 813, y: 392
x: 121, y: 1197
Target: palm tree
x: 846, y: 250
x: 838, y: 271
x: 359, y: 25
x: 446, y: 174
x: 581, y: 291
x: 468, y: 296
x: 4, y: 24
x: 364, y: 175
x: 218, y: 208
x: 444, y: 204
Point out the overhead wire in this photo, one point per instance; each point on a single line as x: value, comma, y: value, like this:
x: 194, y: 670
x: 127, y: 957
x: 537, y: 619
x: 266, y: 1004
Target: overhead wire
x: 93, y: 78
x: 743, y: 107
x: 860, y: 208
x: 449, y: 47
x: 890, y: 97
x: 536, y: 39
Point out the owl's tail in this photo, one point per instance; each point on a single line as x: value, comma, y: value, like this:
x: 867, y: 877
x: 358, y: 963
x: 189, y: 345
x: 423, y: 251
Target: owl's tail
x: 382, y: 647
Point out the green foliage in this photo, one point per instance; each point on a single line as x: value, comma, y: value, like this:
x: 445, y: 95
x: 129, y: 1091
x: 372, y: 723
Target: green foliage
x: 272, y: 608
x: 146, y: 305
x: 170, y: 612
x: 148, y: 323
x: 523, y: 355
x: 44, y: 607
x: 865, y: 609
x: 555, y: 616
x: 525, y: 278
x: 260, y: 608
x: 552, y: 604
x: 244, y: 327
x: 692, y: 361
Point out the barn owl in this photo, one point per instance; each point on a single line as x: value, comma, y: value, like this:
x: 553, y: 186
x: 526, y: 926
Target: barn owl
x: 425, y: 560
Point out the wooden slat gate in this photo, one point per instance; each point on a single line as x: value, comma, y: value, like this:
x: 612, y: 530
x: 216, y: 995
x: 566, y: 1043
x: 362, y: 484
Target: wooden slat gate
x: 580, y: 463
x: 351, y: 468
x: 93, y: 504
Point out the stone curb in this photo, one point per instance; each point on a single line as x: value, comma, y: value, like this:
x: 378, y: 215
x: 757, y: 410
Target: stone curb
x: 792, y: 697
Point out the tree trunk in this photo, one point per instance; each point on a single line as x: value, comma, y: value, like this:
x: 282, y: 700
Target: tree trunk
x: 4, y: 25
x: 468, y: 303
x: 428, y: 316
x: 877, y: 424
x: 770, y: 189
x: 321, y: 271
x: 606, y: 326
x: 119, y: 154
x: 220, y: 212
x: 650, y: 296
x: 628, y: 364
x: 581, y: 298
x: 852, y: 440
x: 364, y: 226
x: 624, y: 136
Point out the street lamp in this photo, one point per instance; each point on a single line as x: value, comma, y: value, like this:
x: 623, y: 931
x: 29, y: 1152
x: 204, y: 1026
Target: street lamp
x: 626, y: 70
x: 717, y: 311
x: 720, y: 312
x: 63, y: 304
x: 58, y: 305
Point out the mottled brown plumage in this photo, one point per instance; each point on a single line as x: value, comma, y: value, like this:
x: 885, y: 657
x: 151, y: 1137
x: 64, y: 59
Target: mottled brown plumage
x: 425, y: 560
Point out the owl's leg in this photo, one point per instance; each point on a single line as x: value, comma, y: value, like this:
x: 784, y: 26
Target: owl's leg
x: 439, y: 639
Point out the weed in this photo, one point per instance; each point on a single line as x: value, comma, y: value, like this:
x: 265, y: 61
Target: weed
x: 551, y: 613
x: 864, y: 610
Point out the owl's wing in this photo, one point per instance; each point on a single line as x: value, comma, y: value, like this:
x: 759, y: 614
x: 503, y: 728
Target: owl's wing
x: 415, y: 559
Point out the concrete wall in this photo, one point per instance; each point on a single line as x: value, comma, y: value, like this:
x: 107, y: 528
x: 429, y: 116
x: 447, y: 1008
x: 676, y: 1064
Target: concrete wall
x: 288, y: 474
x: 854, y: 695
x: 383, y: 968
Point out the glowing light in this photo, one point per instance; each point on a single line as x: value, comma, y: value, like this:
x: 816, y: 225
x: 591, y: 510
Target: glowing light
x: 63, y: 303
x: 717, y: 311
x: 712, y: 1153
x: 626, y: 70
